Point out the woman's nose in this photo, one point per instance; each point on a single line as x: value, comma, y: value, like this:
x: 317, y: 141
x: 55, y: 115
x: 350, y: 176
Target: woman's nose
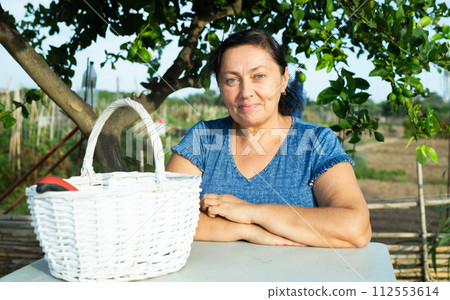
x: 247, y: 90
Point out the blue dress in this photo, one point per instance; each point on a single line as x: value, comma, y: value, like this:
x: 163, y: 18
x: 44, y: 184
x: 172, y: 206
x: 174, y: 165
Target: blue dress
x: 307, y: 151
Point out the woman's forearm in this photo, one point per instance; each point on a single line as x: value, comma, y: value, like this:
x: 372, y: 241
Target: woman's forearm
x: 320, y: 227
x: 219, y: 229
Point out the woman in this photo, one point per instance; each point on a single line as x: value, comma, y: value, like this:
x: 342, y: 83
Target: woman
x: 268, y: 177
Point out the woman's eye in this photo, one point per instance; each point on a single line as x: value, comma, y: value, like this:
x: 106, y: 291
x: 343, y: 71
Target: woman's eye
x: 231, y: 81
x: 260, y: 76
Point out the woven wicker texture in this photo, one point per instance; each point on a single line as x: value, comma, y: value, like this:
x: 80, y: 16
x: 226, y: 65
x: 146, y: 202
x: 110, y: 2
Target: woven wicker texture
x: 119, y: 226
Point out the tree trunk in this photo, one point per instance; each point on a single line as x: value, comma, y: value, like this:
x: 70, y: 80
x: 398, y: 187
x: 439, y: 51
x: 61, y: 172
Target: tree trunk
x: 36, y: 67
x: 108, y: 149
x: 73, y: 105
x: 111, y: 158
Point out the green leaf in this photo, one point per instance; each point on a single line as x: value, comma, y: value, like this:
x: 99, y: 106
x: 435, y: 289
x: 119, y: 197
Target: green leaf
x: 409, y: 68
x: 324, y: 61
x: 424, y: 22
x: 432, y: 154
x: 330, y: 67
x: 381, y: 24
x: 412, y: 81
x: 362, y: 84
x: 329, y: 8
x: 213, y: 39
x: 378, y: 71
x: 356, y: 137
x: 339, y: 109
x: 32, y: 95
x: 393, y: 49
x: 329, y: 25
x: 351, y: 85
x: 7, y: 120
x: 409, y: 142
x: 364, y: 116
x: 326, y: 96
x: 437, y: 37
x: 2, y: 107
x: 124, y: 46
x: 419, y: 37
x: 345, y: 124
x: 379, y: 136
x: 421, y: 155
x: 338, y: 84
x: 336, y: 128
x: 443, y: 241
x: 400, y: 13
x: 290, y: 59
x: 359, y: 98
x: 298, y: 14
x: 436, y: 125
x: 205, y: 78
x: 347, y: 73
x: 344, y: 95
x: 16, y: 104
x: 25, y: 112
x: 284, y: 5
x: 314, y: 24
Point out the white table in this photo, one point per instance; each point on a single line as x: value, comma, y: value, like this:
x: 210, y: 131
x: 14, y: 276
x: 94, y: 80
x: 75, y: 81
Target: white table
x: 242, y: 261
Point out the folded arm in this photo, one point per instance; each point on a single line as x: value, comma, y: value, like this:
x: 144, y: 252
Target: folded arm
x: 341, y: 220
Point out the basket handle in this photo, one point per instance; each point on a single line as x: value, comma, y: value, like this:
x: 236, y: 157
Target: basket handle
x: 87, y: 168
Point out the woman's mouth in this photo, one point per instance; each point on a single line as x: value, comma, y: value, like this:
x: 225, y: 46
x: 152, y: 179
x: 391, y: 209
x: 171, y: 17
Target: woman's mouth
x: 249, y: 106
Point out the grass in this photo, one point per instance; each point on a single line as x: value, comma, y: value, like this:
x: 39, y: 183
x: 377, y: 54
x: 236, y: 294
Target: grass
x: 362, y: 171
x: 397, y: 175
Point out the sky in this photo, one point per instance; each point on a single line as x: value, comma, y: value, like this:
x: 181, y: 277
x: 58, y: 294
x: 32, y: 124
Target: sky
x: 130, y: 75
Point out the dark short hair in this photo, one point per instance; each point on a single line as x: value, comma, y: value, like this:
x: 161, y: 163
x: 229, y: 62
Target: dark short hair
x: 290, y: 102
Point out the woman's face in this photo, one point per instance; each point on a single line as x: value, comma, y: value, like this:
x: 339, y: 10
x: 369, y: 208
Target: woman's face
x: 250, y: 83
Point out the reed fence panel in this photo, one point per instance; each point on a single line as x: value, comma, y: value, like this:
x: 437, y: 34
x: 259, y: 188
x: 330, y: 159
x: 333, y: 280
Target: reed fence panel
x: 18, y: 244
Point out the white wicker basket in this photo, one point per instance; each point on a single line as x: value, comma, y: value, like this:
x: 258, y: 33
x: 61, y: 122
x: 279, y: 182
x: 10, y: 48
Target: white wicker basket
x: 119, y: 226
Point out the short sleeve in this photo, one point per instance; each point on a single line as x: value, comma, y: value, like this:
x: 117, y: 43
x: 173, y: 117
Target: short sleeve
x: 327, y: 153
x: 190, y: 146
x: 202, y: 142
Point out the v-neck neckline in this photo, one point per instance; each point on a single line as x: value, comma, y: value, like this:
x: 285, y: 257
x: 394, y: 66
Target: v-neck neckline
x: 267, y: 167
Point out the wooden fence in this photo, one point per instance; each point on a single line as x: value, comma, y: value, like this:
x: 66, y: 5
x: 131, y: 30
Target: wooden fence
x: 411, y: 256
x: 18, y: 244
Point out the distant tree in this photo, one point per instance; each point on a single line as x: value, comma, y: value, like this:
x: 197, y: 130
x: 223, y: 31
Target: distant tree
x: 209, y: 97
x: 435, y: 102
x: 401, y: 38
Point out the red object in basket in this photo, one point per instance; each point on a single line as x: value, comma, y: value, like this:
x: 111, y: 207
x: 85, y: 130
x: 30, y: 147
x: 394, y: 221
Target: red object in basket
x: 54, y: 184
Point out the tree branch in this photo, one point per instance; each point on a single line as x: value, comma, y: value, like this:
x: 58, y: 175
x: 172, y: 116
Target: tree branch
x: 210, y: 16
x: 184, y: 59
x: 36, y: 67
x: 170, y: 81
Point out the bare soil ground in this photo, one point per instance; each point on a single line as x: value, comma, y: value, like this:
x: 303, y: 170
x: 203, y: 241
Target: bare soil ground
x: 392, y: 155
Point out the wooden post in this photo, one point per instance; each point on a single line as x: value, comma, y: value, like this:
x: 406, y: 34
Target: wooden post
x: 7, y: 96
x: 40, y: 123
x: 117, y: 88
x: 141, y: 160
x: 448, y: 172
x: 52, y: 120
x: 423, y: 220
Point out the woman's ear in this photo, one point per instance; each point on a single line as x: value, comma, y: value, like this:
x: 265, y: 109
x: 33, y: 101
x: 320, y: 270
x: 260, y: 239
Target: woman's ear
x: 285, y: 78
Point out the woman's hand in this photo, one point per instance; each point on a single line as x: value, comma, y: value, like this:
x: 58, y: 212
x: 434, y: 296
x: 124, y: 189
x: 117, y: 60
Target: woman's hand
x: 228, y: 207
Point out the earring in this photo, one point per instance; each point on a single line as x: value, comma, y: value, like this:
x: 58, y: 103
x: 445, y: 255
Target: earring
x: 283, y: 93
